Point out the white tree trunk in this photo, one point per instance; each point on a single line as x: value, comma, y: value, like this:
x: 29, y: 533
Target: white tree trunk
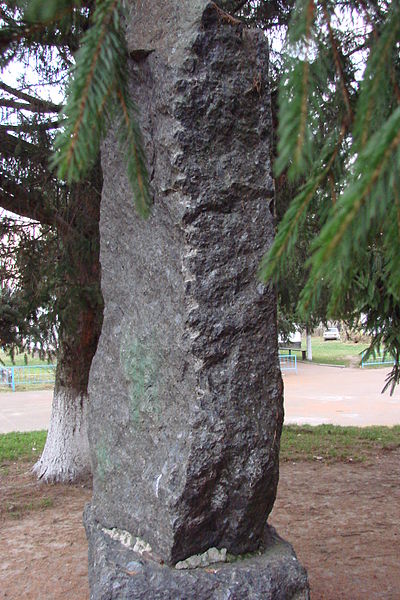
x: 66, y: 456
x: 309, y: 347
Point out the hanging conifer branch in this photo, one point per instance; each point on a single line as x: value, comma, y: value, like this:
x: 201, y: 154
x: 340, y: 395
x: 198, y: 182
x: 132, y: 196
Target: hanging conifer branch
x: 395, y: 84
x: 378, y: 70
x: 293, y: 145
x: 98, y: 94
x: 103, y: 104
x: 355, y: 257
x: 38, y: 19
x: 306, y: 74
x: 273, y: 264
x: 94, y: 65
x: 369, y: 169
x: 338, y: 65
x: 45, y: 13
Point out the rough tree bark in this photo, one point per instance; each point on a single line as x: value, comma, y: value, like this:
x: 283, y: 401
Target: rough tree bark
x: 66, y: 457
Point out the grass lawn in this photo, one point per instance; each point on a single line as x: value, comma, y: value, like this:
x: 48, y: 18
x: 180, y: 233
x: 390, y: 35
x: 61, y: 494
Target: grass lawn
x: 325, y: 442
x: 334, y: 443
x: 336, y: 353
x: 21, y: 446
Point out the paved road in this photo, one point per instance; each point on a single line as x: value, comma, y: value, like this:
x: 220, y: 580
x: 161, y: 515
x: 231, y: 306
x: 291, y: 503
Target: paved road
x: 316, y: 395
x: 25, y: 411
x: 319, y: 394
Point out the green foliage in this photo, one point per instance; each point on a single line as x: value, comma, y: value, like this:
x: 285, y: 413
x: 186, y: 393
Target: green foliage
x: 296, y: 123
x: 366, y: 207
x: 97, y: 96
x: 339, y: 126
x: 21, y: 360
x: 27, y: 303
x: 38, y: 11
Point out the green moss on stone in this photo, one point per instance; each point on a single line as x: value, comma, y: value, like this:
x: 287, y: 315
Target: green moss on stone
x: 141, y: 366
x: 104, y: 462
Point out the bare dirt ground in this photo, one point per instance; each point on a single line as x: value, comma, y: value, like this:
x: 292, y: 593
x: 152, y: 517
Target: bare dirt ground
x: 343, y: 520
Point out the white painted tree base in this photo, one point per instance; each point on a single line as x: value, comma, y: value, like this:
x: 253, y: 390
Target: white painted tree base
x: 66, y: 455
x: 309, y: 347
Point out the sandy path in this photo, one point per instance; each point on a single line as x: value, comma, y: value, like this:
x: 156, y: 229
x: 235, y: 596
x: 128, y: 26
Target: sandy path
x: 341, y: 396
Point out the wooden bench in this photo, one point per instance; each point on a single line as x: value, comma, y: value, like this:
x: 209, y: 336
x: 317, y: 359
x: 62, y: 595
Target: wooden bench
x: 290, y: 350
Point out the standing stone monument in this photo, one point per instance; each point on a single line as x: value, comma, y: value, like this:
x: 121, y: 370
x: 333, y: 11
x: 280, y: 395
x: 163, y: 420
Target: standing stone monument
x: 186, y: 392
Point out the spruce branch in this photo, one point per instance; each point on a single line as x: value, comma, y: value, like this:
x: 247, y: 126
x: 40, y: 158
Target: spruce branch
x: 352, y: 208
x: 338, y: 64
x: 392, y: 239
x: 50, y: 11
x: 30, y: 128
x: 25, y: 202
x: 98, y: 94
x: 377, y: 72
x: 78, y: 146
x: 41, y: 23
x: 11, y: 146
x: 89, y: 79
x: 304, y: 99
x: 294, y: 92
x: 273, y: 263
x: 393, y: 378
x: 35, y: 108
x: 32, y: 101
x: 345, y: 231
x: 395, y: 84
x: 369, y: 168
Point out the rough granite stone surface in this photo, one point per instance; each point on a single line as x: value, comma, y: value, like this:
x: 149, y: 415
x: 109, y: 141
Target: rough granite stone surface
x: 185, y: 389
x: 120, y: 573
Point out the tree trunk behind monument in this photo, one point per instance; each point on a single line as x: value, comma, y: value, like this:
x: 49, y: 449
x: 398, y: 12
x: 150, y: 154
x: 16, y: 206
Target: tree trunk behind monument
x: 66, y: 456
x: 186, y: 405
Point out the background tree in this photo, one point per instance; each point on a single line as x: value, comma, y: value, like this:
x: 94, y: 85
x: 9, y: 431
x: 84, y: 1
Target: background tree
x: 52, y: 299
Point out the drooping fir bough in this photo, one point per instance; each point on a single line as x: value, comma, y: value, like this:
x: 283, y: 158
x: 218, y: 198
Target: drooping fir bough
x: 97, y: 95
x: 339, y: 124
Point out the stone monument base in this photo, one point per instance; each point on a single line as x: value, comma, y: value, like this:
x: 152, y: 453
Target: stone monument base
x: 119, y: 572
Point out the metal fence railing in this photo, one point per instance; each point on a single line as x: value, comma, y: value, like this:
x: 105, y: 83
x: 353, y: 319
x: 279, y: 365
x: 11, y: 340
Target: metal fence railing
x: 376, y: 360
x: 12, y: 377
x: 288, y: 362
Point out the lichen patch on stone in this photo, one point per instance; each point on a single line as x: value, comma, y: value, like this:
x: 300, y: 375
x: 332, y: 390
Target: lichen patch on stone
x: 210, y: 557
x: 128, y: 540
